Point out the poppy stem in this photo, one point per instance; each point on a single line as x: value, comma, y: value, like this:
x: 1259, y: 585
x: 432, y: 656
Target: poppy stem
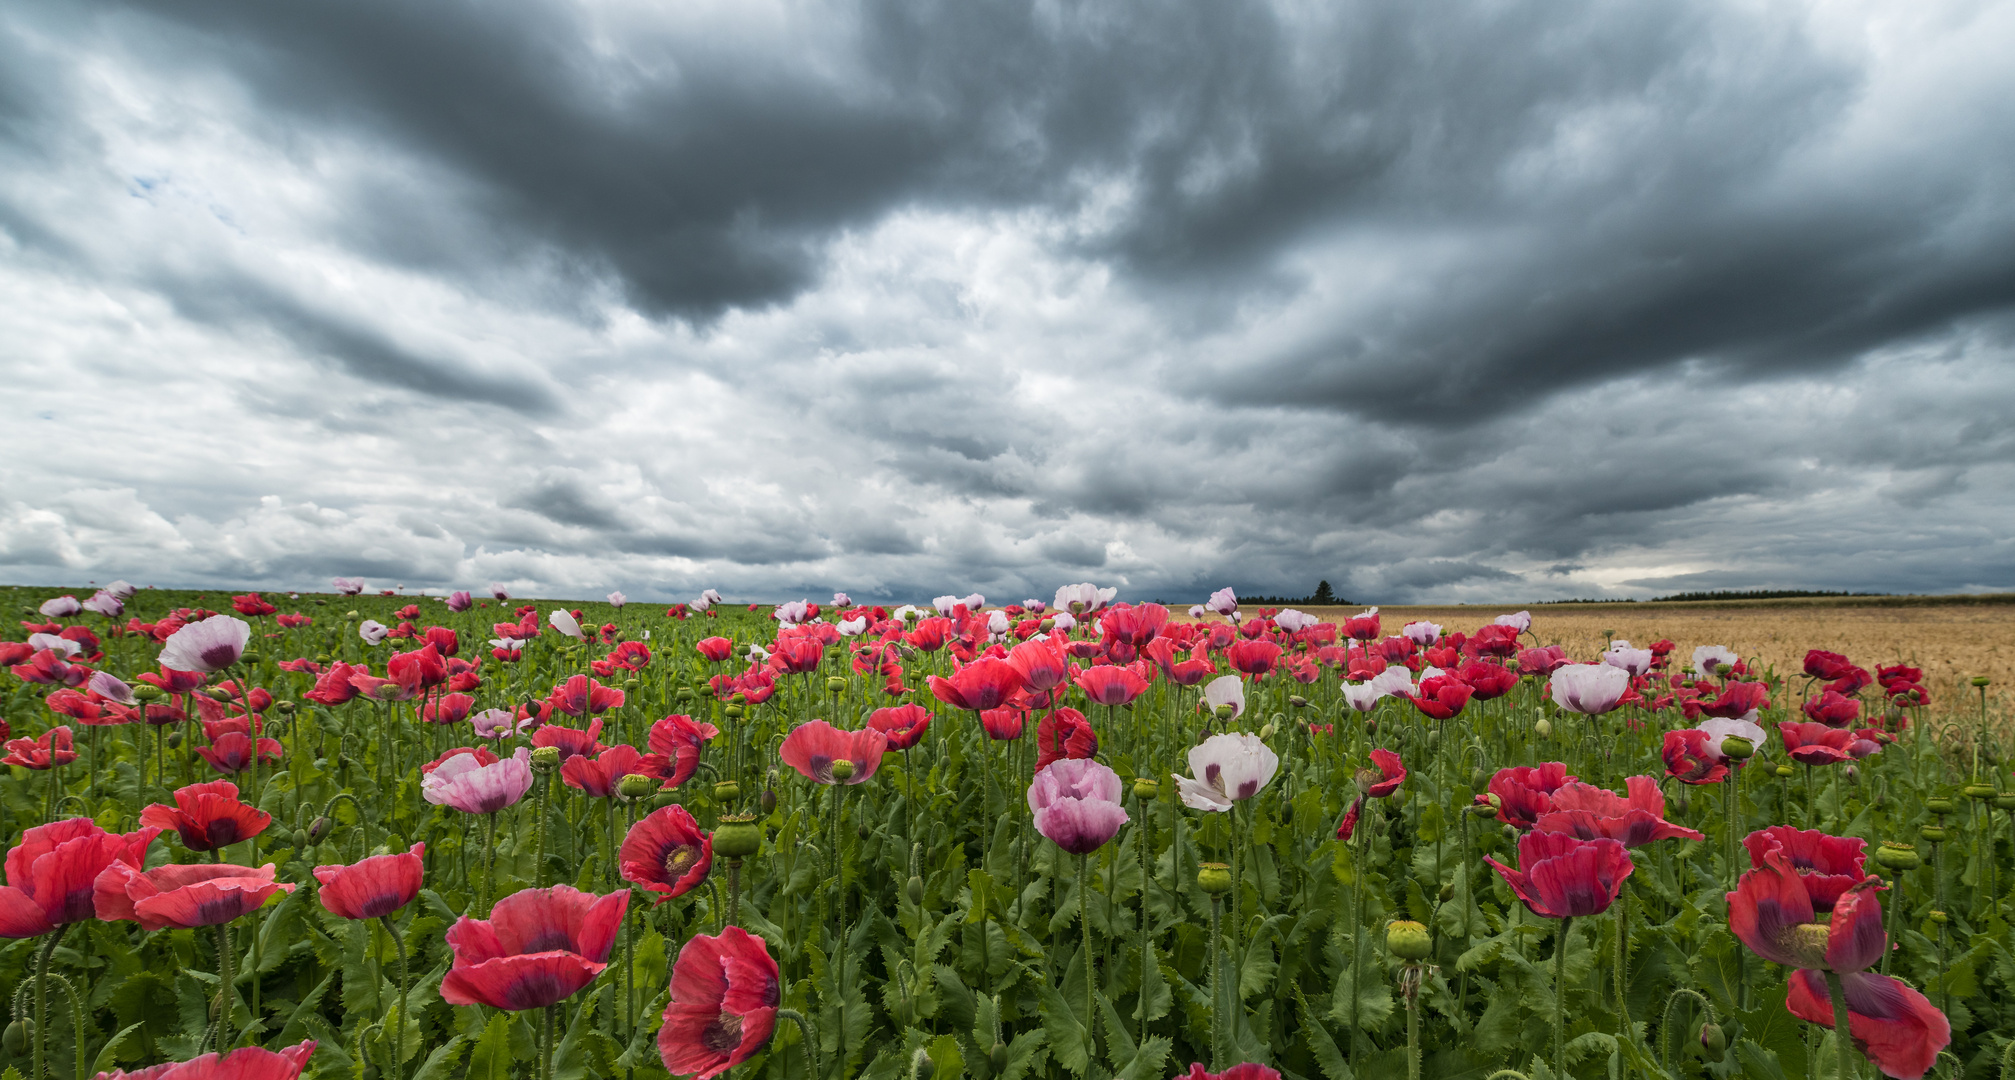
x: 734, y: 892
x: 225, y: 977
x: 541, y: 797
x: 42, y: 1001
x: 1084, y: 922
x: 1560, y: 998
x: 1216, y: 907
x: 1843, y: 1036
x: 811, y: 1044
x: 489, y: 858
x: 1623, y: 959
x: 399, y: 1031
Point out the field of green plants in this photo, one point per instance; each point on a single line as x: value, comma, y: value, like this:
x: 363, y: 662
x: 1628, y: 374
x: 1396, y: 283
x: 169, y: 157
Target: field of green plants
x: 390, y: 837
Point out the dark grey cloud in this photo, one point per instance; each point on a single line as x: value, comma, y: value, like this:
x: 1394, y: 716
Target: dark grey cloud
x: 1438, y: 301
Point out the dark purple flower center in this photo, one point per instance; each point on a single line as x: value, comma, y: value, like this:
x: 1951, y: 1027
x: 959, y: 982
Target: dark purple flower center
x: 723, y: 1035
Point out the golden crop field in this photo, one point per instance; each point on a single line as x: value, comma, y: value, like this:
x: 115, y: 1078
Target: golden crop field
x: 1952, y: 642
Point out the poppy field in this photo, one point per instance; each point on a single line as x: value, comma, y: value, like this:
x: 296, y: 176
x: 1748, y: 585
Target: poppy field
x: 388, y: 837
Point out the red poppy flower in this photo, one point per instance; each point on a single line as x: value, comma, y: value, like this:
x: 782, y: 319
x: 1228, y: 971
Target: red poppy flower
x: 447, y: 709
x: 45, y: 668
x: 208, y: 816
x: 631, y: 656
x: 1247, y: 1071
x: 1133, y: 625
x: 252, y: 604
x: 538, y: 947
x: 1891, y: 674
x: 244, y: 1063
x: 680, y: 739
x: 1590, y: 812
x: 1816, y: 744
x: 1362, y: 627
x: 1487, y: 680
x: 444, y: 640
x: 903, y: 724
x: 797, y: 654
x: 1109, y: 685
x: 50, y: 873
x: 1064, y: 733
x: 231, y: 751
x: 1833, y: 710
x: 1689, y: 760
x: 1003, y: 723
x: 1253, y: 657
x: 1820, y: 664
x: 715, y: 649
x: 570, y: 741
x: 1562, y: 876
x: 51, y: 749
x: 598, y: 776
x: 1541, y: 662
x: 1828, y: 865
x: 1894, y: 1025
x: 1391, y: 774
x: 981, y: 685
x: 333, y: 687
x: 1526, y: 791
x: 930, y: 634
x: 373, y: 887
x: 723, y: 1005
x: 583, y: 696
x: 1441, y: 696
x: 1041, y: 663
x: 1852, y: 681
x: 182, y: 895
x: 666, y: 853
x: 811, y: 748
x: 418, y: 670
x: 172, y: 681
x: 1737, y: 700
x: 756, y: 686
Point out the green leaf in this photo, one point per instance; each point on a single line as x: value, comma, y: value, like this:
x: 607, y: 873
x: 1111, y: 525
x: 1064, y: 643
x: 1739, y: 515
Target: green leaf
x: 1149, y: 1061
x: 1758, y: 1063
x: 491, y: 1059
x: 280, y: 928
x: 1024, y: 1053
x: 945, y: 1056
x: 108, y: 1056
x: 1319, y: 1042
x: 1155, y: 998
x: 956, y: 1005
x: 570, y: 1060
x: 1068, y: 1039
x: 441, y: 1063
x: 1119, y: 1045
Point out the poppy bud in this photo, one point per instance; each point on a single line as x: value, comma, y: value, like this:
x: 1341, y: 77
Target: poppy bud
x: 1940, y: 918
x: 1266, y: 732
x: 1484, y: 811
x: 1713, y: 1040
x: 174, y: 740
x: 546, y: 758
x: 727, y: 791
x: 1511, y: 833
x: 18, y: 1035
x: 1784, y: 771
x: 835, y: 685
x: 321, y: 603
x: 768, y: 800
x: 351, y: 616
x: 300, y: 839
x: 998, y: 1058
x: 218, y: 693
x: 1146, y: 787
x: 1932, y: 834
x: 319, y: 828
x: 1980, y: 680
x: 1213, y: 878
x: 924, y: 1068
x: 1543, y: 728
x: 737, y: 836
x: 1448, y: 892
x: 1408, y: 940
x: 1297, y: 701
x: 1898, y: 856
x: 1203, y: 735
x: 1939, y: 804
x: 843, y: 770
x: 1737, y: 747
x: 630, y: 686
x: 250, y: 658
x: 147, y: 692
x: 915, y: 889
x: 636, y: 786
x: 284, y: 708
x: 733, y: 712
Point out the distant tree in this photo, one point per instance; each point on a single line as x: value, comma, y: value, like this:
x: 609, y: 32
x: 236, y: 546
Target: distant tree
x: 1323, y: 595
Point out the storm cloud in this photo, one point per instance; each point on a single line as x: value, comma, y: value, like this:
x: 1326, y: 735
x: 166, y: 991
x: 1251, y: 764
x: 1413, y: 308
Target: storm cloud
x: 1439, y: 301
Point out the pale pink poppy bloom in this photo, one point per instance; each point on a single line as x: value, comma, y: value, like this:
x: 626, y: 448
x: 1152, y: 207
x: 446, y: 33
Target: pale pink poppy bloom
x: 61, y: 607
x: 123, y: 589
x: 1222, y: 602
x: 1363, y: 696
x: 63, y: 645
x: 103, y: 602
x: 460, y: 600
x: 1589, y: 689
x: 1226, y: 690
x: 617, y: 599
x: 1708, y: 657
x: 108, y: 686
x: 1228, y: 769
x: 794, y: 612
x: 470, y: 786
x: 1522, y: 621
x: 1422, y: 634
x: 372, y: 631
x: 1634, y: 661
x: 1076, y: 804
x: 348, y: 586
x: 841, y: 599
x: 211, y: 645
x: 564, y: 622
x: 1294, y: 621
x: 498, y: 591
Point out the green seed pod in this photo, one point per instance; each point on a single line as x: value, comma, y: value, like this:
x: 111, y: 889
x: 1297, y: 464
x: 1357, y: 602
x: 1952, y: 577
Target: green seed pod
x: 663, y: 799
x: 632, y: 685
x: 1543, y: 728
x: 18, y: 1035
x: 1408, y: 940
x: 2005, y: 801
x: 1146, y: 787
x: 1939, y: 804
x: 727, y: 791
x: 835, y: 685
x: 1213, y: 878
x: 545, y: 758
x: 683, y: 693
x: 915, y: 889
x: 1932, y: 834
x: 1784, y: 771
x: 1940, y: 918
x: 636, y: 786
x: 1979, y: 792
x: 733, y: 712
x: 1713, y: 1041
x: 1737, y: 747
x: 1226, y: 712
x: 1981, y: 680
x: 250, y: 658
x: 322, y: 658
x: 148, y: 692
x: 737, y: 836
x: 843, y: 770
x: 1898, y: 856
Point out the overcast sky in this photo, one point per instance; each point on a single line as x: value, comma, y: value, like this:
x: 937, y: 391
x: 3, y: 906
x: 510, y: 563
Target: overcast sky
x: 1436, y: 300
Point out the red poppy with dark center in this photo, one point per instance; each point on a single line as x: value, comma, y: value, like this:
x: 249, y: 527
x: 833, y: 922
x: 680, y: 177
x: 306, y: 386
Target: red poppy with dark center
x: 1827, y: 865
x: 715, y: 649
x: 583, y: 696
x: 1833, y: 710
x: 1003, y: 723
x: 537, y: 948
x: 232, y: 751
x: 445, y: 641
x: 570, y: 741
x: 1362, y: 627
x: 418, y: 670
x: 45, y: 668
x: 1391, y: 774
x: 1109, y: 685
x: 1487, y: 680
x: 903, y: 724
x: 208, y: 816
x: 51, y: 871
x: 47, y: 751
x: 1526, y: 791
x: 373, y: 887
x: 334, y: 687
x: 680, y: 739
x: 978, y: 686
x: 1441, y: 696
x: 1041, y: 664
x: 244, y: 1063
x: 723, y: 1005
x: 666, y: 853
x: 1134, y: 625
x: 1689, y: 759
x: 447, y: 709
x: 1820, y: 664
x: 183, y: 896
x: 1253, y: 657
x: 1590, y: 812
x: 1737, y: 700
x: 1816, y: 744
x: 1064, y: 733
x: 1246, y: 1071
x: 597, y: 777
x: 1562, y: 876
x: 812, y: 748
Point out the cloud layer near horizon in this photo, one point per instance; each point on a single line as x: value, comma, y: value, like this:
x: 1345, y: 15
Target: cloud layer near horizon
x: 1443, y: 302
